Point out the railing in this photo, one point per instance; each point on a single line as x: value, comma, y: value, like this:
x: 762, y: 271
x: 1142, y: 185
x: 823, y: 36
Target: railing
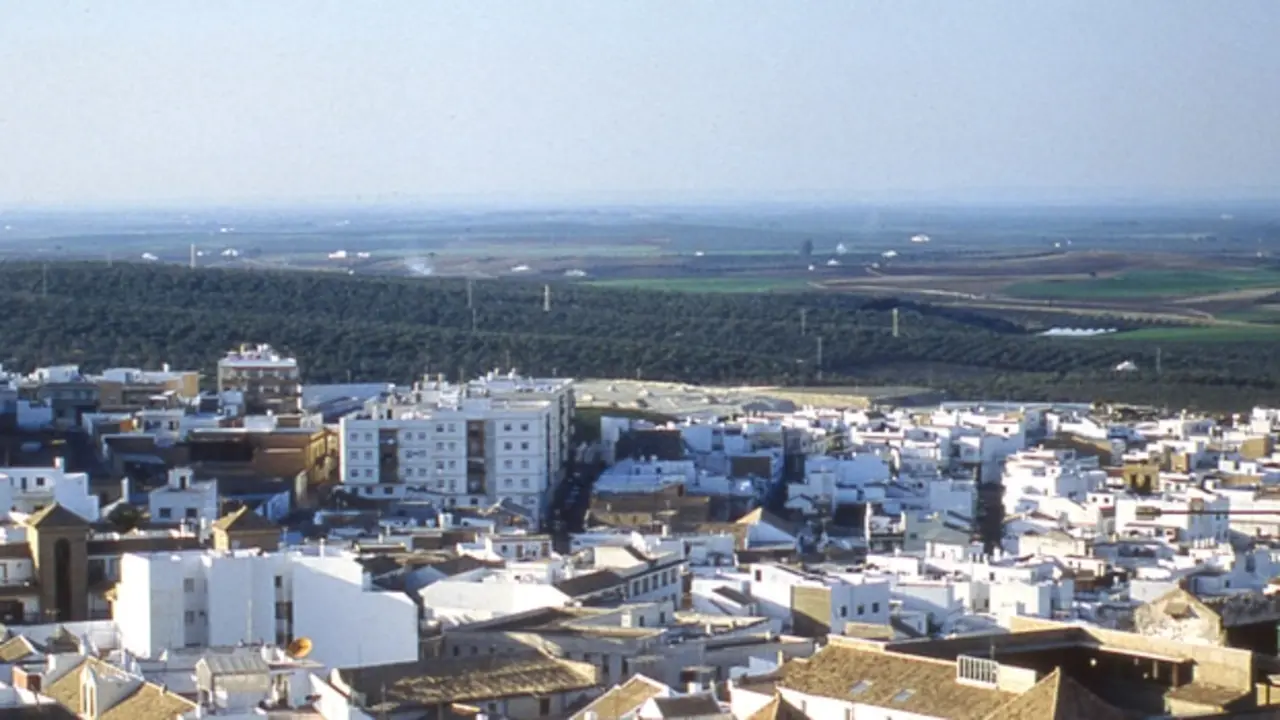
x: 976, y: 670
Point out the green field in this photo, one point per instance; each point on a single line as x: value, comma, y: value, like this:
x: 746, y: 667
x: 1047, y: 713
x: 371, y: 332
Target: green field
x: 1200, y: 334
x: 1147, y: 284
x: 707, y: 285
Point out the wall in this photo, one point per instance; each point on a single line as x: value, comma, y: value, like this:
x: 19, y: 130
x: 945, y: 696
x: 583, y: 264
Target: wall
x: 348, y: 626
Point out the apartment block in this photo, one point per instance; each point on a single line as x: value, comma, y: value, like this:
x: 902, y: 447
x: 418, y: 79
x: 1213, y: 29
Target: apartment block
x: 267, y: 379
x: 497, y: 438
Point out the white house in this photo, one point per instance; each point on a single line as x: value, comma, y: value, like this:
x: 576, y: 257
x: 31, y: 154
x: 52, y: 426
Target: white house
x: 183, y: 500
x: 28, y: 489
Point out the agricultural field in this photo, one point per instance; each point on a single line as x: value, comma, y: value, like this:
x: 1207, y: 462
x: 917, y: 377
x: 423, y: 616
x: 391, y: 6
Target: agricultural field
x: 708, y: 285
x: 1146, y: 284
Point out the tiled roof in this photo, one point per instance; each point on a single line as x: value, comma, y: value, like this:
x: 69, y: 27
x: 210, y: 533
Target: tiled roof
x: 907, y: 684
x: 1057, y: 697
x: 484, y: 677
x: 244, y: 520
x: 623, y: 699
x: 56, y: 517
x: 16, y: 648
x: 778, y: 709
x: 590, y: 583
x: 149, y: 702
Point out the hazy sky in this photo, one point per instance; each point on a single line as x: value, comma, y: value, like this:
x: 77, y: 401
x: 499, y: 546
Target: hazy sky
x: 167, y: 100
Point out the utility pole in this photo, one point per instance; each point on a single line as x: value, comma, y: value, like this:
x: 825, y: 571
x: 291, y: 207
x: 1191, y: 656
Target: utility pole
x: 819, y: 357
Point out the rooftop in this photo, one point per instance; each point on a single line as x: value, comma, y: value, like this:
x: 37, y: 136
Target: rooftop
x: 406, y: 687
x: 908, y: 684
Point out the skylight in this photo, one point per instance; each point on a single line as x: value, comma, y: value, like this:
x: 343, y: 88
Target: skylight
x: 860, y: 687
x: 903, y: 696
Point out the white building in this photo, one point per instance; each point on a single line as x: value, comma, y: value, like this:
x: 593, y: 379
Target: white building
x: 1191, y: 517
x: 28, y: 489
x: 851, y: 597
x: 183, y: 500
x: 1034, y: 475
x: 494, y: 439
x: 213, y: 598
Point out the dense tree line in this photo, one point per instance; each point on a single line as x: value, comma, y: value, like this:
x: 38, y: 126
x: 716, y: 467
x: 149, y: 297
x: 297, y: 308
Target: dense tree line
x: 381, y: 328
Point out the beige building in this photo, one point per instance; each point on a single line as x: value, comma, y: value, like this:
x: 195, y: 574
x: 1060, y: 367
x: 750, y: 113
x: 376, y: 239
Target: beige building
x: 268, y: 380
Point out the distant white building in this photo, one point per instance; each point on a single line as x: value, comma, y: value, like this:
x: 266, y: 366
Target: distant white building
x: 183, y: 500
x: 28, y: 489
x: 202, y: 598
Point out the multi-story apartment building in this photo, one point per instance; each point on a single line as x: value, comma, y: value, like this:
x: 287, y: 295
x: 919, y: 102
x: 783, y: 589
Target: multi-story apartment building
x: 497, y: 438
x: 267, y: 379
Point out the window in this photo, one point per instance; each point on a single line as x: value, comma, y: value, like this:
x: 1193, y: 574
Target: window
x: 440, y: 446
x: 844, y: 611
x: 439, y: 464
x: 506, y: 482
x: 166, y: 513
x: 188, y: 585
x: 506, y: 427
x: 904, y: 695
x: 524, y: 464
x: 439, y: 428
x: 862, y: 609
x: 189, y: 617
x: 192, y: 513
x: 386, y: 491
x: 506, y: 446
x: 524, y: 482
x: 368, y: 437
x: 279, y: 581
x: 860, y: 687
x: 422, y: 436
x: 524, y: 446
x: 457, y: 651
x: 544, y: 706
x: 506, y: 463
x: 875, y: 607
x: 368, y: 454
x: 355, y: 437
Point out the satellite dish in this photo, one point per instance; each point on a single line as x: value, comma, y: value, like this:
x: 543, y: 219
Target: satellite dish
x: 299, y: 648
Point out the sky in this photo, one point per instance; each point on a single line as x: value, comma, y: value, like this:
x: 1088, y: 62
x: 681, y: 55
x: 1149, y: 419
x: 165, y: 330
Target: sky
x: 134, y: 102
